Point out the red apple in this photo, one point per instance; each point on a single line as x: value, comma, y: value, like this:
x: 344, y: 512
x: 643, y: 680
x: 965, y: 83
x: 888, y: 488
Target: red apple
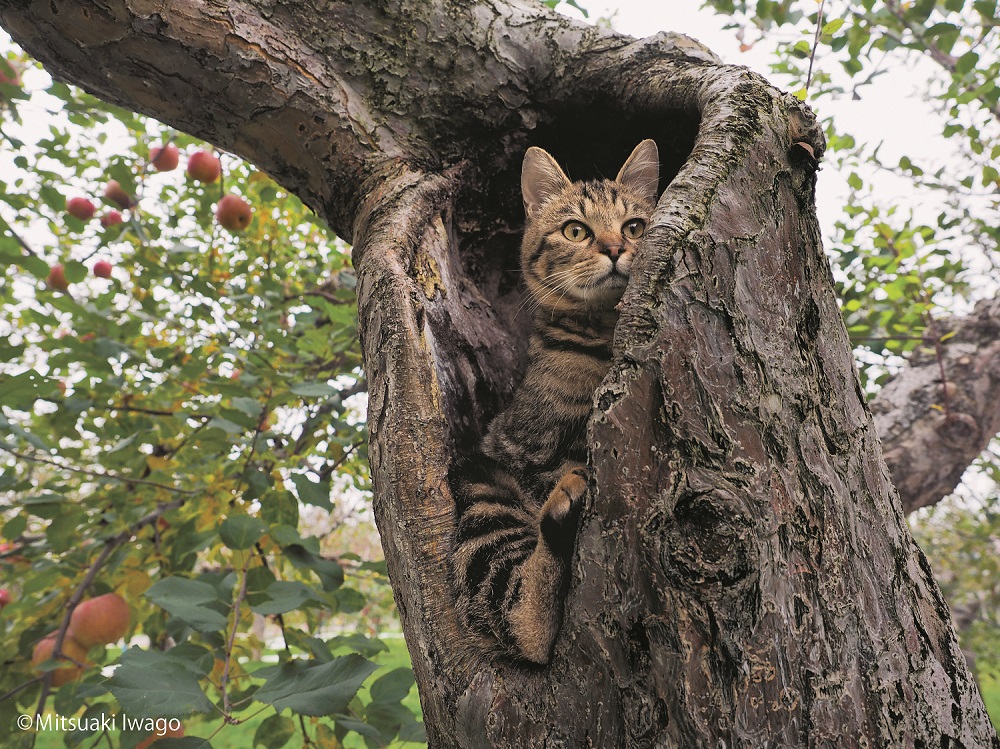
x: 204, y: 167
x: 70, y: 648
x: 164, y: 158
x: 10, y: 74
x: 57, y: 278
x: 111, y: 218
x: 5, y: 597
x: 102, y: 269
x: 117, y: 195
x: 100, y: 621
x: 233, y: 213
x: 82, y: 208
x: 8, y: 558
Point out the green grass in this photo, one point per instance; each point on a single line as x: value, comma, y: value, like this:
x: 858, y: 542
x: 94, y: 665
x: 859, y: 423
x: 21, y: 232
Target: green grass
x: 240, y: 736
x: 991, y: 696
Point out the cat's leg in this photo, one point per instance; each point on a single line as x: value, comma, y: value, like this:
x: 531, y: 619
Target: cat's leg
x: 496, y: 533
x: 537, y: 615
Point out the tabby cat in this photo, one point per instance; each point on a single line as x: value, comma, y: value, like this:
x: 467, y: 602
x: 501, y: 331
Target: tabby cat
x: 519, y: 493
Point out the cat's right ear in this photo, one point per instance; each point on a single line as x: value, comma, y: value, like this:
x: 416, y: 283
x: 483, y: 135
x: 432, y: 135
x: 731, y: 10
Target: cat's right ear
x: 642, y: 170
x: 541, y: 179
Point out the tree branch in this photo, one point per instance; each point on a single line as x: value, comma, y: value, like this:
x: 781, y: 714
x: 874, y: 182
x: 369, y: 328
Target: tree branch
x: 96, y: 474
x: 926, y: 446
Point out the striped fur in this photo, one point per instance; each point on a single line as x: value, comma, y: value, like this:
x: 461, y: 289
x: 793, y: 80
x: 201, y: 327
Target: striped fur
x: 519, y: 493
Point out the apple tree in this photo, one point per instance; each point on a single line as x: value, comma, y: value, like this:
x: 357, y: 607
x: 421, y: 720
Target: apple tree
x: 182, y: 446
x: 744, y: 574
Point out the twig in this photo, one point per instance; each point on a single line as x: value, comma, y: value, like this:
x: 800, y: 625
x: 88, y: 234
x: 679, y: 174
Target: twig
x: 328, y: 470
x: 812, y: 54
x: 96, y: 474
x: 24, y: 245
x: 231, y: 643
x: 110, y: 545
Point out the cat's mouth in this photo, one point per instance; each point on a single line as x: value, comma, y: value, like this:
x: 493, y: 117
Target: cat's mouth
x: 609, y: 284
x: 616, y: 275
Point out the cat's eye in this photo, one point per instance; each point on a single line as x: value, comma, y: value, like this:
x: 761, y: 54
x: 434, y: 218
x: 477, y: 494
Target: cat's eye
x: 574, y: 231
x: 634, y: 229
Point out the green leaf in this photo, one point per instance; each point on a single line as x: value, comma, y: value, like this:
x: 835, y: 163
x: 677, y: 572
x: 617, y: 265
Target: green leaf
x: 274, y: 732
x: 414, y: 731
x: 347, y: 723
x: 387, y: 717
x: 188, y: 601
x: 944, y: 36
x: 241, y: 531
x: 312, y: 492
x: 832, y: 27
x: 393, y: 686
x: 281, y: 597
x: 313, y: 389
x: 966, y: 62
x: 250, y: 406
x: 75, y: 271
x: 801, y: 49
x: 987, y: 9
x: 314, y: 688
x: 350, y: 600
x: 359, y: 643
x: 225, y: 425
x: 34, y: 265
x: 330, y: 573
x: 63, y: 531
x: 279, y: 508
x: 151, y: 684
x: 920, y: 11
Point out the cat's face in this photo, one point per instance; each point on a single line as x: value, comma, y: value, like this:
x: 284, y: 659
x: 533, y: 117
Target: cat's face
x: 580, y: 237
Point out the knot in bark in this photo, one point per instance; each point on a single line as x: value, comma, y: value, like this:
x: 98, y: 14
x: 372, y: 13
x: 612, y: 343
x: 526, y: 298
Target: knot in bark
x: 707, y: 540
x: 958, y: 429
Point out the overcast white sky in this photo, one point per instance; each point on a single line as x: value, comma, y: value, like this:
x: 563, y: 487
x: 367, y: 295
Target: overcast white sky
x: 893, y: 105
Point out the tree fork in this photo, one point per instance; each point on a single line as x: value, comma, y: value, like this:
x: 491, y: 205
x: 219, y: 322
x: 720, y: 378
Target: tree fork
x: 288, y: 88
x: 743, y: 575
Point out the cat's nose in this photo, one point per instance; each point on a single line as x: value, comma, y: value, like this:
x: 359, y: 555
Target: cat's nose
x: 612, y: 250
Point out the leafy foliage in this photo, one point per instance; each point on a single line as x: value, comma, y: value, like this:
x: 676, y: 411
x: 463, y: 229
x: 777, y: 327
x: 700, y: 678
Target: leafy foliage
x: 172, y: 433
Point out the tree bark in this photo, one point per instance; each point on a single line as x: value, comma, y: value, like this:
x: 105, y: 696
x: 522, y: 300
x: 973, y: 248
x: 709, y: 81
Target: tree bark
x: 743, y: 574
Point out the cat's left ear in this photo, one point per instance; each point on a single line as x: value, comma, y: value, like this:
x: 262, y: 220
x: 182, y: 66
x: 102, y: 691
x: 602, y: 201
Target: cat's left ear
x: 642, y: 170
x: 541, y: 179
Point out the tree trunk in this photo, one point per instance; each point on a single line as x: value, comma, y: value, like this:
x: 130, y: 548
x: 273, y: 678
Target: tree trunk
x: 743, y: 575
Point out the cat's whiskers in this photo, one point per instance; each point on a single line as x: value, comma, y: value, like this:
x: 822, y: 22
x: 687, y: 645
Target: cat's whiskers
x: 564, y: 281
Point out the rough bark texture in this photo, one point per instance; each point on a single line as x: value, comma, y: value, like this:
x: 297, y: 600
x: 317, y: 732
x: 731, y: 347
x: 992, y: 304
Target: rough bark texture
x: 743, y: 575
x: 936, y: 416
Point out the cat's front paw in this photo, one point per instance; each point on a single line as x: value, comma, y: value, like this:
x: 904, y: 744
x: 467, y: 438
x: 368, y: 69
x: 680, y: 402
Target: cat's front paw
x: 561, y: 511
